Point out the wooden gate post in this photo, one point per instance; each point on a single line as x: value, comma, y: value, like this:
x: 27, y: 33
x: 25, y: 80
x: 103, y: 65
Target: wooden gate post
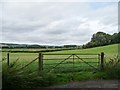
x: 102, y: 60
x: 73, y: 61
x: 8, y: 62
x: 40, y: 62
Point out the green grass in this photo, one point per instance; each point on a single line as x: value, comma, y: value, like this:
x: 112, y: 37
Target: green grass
x: 109, y: 50
x: 24, y: 58
x: 29, y: 80
x: 64, y: 73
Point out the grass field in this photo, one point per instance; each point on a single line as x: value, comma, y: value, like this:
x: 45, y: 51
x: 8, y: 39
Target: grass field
x: 26, y: 78
x: 110, y: 51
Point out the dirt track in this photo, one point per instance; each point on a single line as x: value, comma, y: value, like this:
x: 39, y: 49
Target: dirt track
x: 91, y: 84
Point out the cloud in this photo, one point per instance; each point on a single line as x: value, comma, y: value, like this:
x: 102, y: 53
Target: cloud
x: 56, y: 23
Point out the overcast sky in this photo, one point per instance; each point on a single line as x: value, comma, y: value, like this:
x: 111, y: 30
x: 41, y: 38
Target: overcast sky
x: 57, y: 23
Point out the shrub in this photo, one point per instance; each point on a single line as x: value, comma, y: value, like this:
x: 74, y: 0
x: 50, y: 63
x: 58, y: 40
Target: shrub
x: 112, y: 68
x: 12, y: 77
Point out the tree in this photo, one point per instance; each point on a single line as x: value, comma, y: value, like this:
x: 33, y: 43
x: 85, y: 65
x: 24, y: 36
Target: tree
x: 101, y: 39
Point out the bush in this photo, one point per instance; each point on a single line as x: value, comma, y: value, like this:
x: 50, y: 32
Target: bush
x: 112, y: 68
x: 14, y: 78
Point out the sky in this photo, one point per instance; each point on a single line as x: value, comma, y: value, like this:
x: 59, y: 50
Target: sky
x: 56, y: 23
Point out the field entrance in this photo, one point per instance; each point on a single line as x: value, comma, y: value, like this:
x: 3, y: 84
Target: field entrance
x: 70, y: 62
x: 57, y: 63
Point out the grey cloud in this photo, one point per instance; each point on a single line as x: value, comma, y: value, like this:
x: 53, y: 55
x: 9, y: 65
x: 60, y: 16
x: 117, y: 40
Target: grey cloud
x: 55, y: 23
x: 20, y: 28
x: 56, y: 32
x: 111, y: 20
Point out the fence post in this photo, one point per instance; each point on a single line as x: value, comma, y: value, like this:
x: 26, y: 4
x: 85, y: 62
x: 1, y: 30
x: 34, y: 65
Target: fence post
x: 8, y: 62
x: 40, y: 62
x: 99, y: 59
x: 73, y: 61
x: 102, y: 60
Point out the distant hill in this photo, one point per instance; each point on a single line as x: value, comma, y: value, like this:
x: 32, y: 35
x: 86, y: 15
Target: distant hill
x: 11, y: 45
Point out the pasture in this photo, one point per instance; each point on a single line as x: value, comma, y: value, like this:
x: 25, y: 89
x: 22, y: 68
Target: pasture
x: 22, y: 59
x: 64, y: 73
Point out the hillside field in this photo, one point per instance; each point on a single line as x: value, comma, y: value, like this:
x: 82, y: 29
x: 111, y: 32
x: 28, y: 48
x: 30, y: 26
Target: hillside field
x: 110, y: 51
x: 29, y: 77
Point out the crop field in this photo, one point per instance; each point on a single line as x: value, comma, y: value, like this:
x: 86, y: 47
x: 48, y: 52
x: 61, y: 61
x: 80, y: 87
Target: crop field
x: 51, y: 60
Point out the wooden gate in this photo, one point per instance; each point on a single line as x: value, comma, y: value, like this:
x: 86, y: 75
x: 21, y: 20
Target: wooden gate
x: 71, y: 62
x: 67, y: 62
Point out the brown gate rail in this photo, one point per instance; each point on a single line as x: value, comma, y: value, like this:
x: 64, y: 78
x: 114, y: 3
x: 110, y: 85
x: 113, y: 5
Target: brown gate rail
x: 73, y: 57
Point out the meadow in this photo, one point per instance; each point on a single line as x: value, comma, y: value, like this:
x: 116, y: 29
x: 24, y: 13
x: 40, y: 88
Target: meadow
x: 51, y: 59
x: 64, y: 73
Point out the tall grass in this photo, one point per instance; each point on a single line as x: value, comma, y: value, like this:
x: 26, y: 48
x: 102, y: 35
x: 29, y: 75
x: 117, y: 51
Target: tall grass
x: 112, y: 68
x: 14, y: 78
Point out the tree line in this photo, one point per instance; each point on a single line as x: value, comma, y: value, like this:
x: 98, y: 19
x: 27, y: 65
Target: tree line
x: 98, y: 39
x: 102, y: 39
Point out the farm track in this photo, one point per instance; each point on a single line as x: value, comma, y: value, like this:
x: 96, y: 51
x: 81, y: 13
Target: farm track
x: 91, y: 84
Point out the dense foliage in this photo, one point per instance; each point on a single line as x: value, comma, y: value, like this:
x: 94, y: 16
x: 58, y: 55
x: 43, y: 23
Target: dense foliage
x: 102, y: 39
